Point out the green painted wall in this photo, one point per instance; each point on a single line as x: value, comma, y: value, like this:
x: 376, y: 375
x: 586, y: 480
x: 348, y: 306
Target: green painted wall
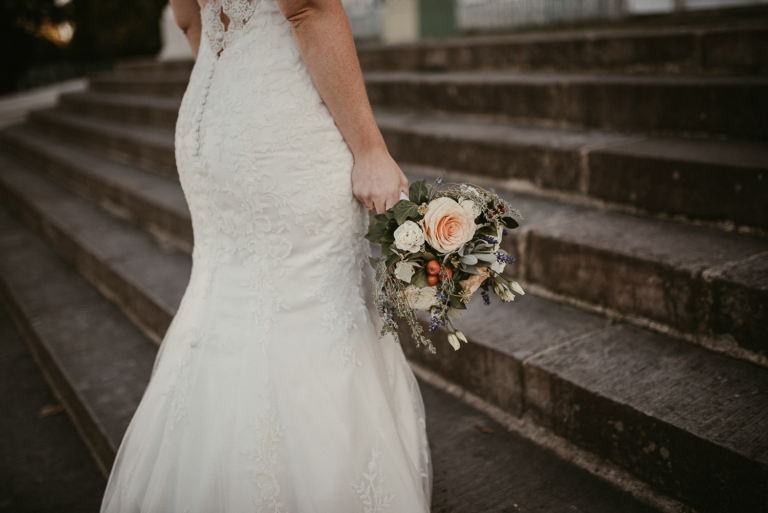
x: 437, y: 18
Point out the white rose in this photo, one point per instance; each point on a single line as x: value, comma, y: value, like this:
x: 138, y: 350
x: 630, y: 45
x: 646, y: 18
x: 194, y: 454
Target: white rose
x: 472, y: 208
x: 409, y: 237
x: 420, y: 298
x: 404, y: 271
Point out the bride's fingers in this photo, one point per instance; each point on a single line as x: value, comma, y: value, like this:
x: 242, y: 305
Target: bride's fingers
x: 392, y: 200
x: 381, y: 205
x: 404, y: 184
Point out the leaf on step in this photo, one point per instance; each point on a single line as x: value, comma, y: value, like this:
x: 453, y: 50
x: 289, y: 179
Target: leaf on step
x: 483, y: 429
x: 49, y: 410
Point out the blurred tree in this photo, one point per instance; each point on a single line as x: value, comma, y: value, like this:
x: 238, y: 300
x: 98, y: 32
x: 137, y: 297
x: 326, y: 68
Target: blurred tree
x: 21, y: 23
x: 114, y: 28
x: 35, y: 32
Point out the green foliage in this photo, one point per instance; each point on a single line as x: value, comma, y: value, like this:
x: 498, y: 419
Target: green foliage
x: 417, y: 192
x: 488, y: 230
x: 404, y: 209
x: 105, y: 30
x: 419, y: 279
x: 377, y: 229
x: 456, y: 303
x: 112, y: 29
x: 510, y: 222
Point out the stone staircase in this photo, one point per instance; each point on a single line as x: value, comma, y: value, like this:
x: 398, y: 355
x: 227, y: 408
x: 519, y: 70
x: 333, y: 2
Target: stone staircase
x: 639, y: 159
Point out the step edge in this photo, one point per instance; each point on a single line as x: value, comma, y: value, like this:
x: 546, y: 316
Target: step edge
x: 101, y: 448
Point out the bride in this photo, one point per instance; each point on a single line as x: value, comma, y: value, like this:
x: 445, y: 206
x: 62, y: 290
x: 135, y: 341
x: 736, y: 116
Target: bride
x: 271, y: 391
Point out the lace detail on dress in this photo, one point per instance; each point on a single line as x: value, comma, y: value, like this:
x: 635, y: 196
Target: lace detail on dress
x: 178, y: 390
x: 369, y: 490
x: 276, y: 299
x: 263, y: 456
x: 237, y: 12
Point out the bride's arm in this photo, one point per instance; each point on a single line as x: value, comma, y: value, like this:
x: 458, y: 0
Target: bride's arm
x: 187, y: 16
x: 322, y: 33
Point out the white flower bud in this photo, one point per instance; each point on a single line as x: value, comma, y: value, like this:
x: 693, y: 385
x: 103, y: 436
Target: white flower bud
x: 454, y: 341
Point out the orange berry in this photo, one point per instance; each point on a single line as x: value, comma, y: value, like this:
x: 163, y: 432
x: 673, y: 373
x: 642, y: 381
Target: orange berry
x: 432, y: 280
x: 433, y: 267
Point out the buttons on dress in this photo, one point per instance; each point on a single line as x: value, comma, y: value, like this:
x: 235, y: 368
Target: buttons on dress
x: 199, y: 112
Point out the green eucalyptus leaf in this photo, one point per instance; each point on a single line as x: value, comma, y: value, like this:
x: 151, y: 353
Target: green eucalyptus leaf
x: 374, y: 262
x: 469, y: 259
x: 485, y: 257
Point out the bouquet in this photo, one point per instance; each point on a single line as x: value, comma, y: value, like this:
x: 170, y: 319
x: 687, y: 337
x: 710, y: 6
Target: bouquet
x: 438, y: 247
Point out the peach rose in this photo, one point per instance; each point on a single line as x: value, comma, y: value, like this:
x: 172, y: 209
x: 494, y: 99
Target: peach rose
x: 474, y: 281
x: 447, y: 226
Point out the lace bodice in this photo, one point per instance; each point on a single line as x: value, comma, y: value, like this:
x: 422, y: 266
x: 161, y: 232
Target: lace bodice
x: 236, y: 13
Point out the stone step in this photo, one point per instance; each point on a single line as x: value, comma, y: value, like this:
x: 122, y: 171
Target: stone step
x: 701, y: 179
x: 46, y: 466
x: 476, y: 460
x: 131, y: 109
x: 735, y: 107
x: 718, y: 106
x: 146, y: 198
x: 739, y: 48
x: 688, y: 421
x: 706, y: 284
x: 697, y: 411
x: 735, y: 49
x: 171, y: 84
x: 674, y: 176
x: 145, y: 275
x: 93, y: 357
x: 148, y: 147
x: 144, y: 65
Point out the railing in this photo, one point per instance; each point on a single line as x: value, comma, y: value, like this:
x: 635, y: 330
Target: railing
x: 497, y: 14
x: 367, y: 16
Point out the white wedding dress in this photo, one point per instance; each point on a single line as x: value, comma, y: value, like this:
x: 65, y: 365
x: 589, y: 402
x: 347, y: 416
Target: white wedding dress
x: 271, y: 391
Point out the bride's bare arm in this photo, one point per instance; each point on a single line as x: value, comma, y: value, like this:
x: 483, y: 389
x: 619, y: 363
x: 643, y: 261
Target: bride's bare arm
x: 322, y: 33
x: 187, y: 16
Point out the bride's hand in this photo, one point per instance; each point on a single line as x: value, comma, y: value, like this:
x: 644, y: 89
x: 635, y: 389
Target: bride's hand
x: 377, y: 180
